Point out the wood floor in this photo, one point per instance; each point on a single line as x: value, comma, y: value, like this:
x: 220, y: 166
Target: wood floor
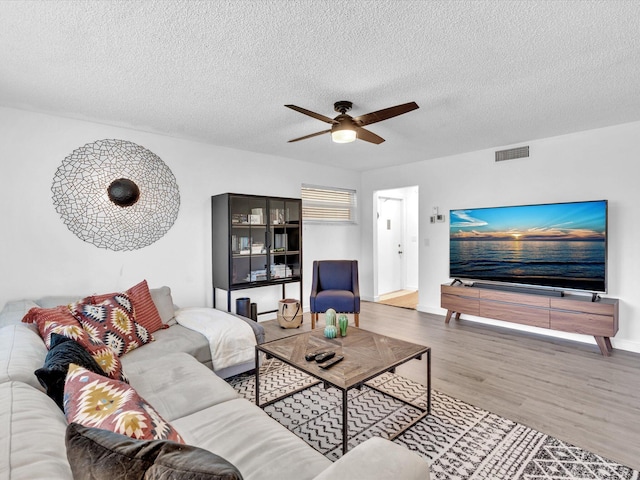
x: 403, y: 298
x: 561, y: 388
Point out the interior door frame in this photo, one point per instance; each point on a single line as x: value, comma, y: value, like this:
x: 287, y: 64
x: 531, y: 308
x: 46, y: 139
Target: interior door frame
x: 410, y: 195
x: 382, y: 199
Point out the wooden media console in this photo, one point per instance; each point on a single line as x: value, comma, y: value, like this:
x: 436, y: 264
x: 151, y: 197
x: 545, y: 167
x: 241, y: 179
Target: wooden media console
x: 568, y: 313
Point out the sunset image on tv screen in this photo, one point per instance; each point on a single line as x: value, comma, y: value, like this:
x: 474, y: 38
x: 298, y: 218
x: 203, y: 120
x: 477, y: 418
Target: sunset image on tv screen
x: 561, y: 245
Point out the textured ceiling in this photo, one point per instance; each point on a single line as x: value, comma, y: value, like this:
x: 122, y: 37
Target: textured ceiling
x: 485, y: 73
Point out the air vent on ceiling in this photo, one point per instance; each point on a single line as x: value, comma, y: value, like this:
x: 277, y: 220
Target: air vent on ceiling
x: 512, y: 153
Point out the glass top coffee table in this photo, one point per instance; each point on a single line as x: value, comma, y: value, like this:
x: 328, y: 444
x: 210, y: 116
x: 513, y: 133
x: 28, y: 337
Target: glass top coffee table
x: 366, y: 355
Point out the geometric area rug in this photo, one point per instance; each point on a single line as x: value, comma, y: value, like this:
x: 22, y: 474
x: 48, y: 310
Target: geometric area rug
x: 458, y: 440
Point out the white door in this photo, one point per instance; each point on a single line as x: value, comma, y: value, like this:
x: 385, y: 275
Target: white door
x: 390, y: 245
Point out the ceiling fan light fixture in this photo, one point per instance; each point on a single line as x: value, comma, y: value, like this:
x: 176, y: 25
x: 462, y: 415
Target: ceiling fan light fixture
x: 346, y: 129
x: 343, y: 134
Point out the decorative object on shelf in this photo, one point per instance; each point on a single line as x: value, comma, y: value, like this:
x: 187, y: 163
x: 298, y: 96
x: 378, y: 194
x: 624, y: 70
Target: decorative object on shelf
x: 343, y: 323
x: 116, y: 195
x: 330, y: 317
x: 330, y: 331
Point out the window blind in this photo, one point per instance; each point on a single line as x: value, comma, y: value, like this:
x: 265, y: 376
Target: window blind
x: 328, y: 204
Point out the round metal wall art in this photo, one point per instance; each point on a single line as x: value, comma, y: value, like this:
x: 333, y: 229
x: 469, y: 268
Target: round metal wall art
x: 116, y: 195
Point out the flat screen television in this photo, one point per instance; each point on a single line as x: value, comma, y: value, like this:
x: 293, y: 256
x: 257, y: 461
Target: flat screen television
x: 559, y: 246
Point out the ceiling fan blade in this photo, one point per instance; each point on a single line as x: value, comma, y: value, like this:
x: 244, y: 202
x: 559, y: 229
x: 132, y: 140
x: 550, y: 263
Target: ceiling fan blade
x: 379, y: 115
x: 368, y: 136
x: 315, y: 115
x: 309, y: 136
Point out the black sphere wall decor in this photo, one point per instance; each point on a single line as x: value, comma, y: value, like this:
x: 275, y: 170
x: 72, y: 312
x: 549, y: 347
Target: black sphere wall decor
x: 116, y: 195
x: 123, y: 192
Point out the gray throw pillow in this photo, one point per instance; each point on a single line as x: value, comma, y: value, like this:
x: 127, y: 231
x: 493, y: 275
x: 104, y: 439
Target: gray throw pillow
x: 164, y: 303
x: 63, y: 351
x: 96, y: 454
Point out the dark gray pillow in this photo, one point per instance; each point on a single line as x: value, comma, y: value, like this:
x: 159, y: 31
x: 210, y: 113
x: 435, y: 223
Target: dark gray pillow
x: 96, y: 454
x: 63, y: 351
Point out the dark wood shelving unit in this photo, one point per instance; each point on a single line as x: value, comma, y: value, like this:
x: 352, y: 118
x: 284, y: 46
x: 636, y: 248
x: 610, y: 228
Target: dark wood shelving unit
x: 256, y: 242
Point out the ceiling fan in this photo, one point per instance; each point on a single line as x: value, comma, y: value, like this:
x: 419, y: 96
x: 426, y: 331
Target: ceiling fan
x: 345, y: 128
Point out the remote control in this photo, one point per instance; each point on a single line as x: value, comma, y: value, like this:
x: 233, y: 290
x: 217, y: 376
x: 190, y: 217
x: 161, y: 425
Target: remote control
x: 323, y: 357
x: 335, y: 360
x: 312, y: 356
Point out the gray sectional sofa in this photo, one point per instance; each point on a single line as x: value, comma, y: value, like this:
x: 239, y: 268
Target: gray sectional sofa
x: 174, y: 375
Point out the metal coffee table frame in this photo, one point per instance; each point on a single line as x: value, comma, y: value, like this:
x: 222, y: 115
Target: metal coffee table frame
x: 300, y: 344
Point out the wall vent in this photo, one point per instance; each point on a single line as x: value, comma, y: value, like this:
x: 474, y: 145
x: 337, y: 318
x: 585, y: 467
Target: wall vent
x: 512, y: 153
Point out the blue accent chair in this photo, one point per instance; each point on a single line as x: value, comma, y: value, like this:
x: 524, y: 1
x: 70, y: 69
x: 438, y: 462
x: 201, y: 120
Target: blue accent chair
x: 335, y: 285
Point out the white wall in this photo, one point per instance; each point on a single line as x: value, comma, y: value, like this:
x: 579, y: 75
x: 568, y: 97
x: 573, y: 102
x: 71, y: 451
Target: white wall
x: 591, y: 165
x: 40, y: 256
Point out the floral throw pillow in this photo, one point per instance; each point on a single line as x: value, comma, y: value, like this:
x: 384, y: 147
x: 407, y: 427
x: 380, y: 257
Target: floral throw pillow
x: 112, y: 322
x: 95, y: 401
x: 61, y: 321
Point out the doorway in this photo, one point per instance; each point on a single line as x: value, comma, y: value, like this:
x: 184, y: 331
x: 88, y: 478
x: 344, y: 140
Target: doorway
x: 396, y: 247
x: 390, y: 245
